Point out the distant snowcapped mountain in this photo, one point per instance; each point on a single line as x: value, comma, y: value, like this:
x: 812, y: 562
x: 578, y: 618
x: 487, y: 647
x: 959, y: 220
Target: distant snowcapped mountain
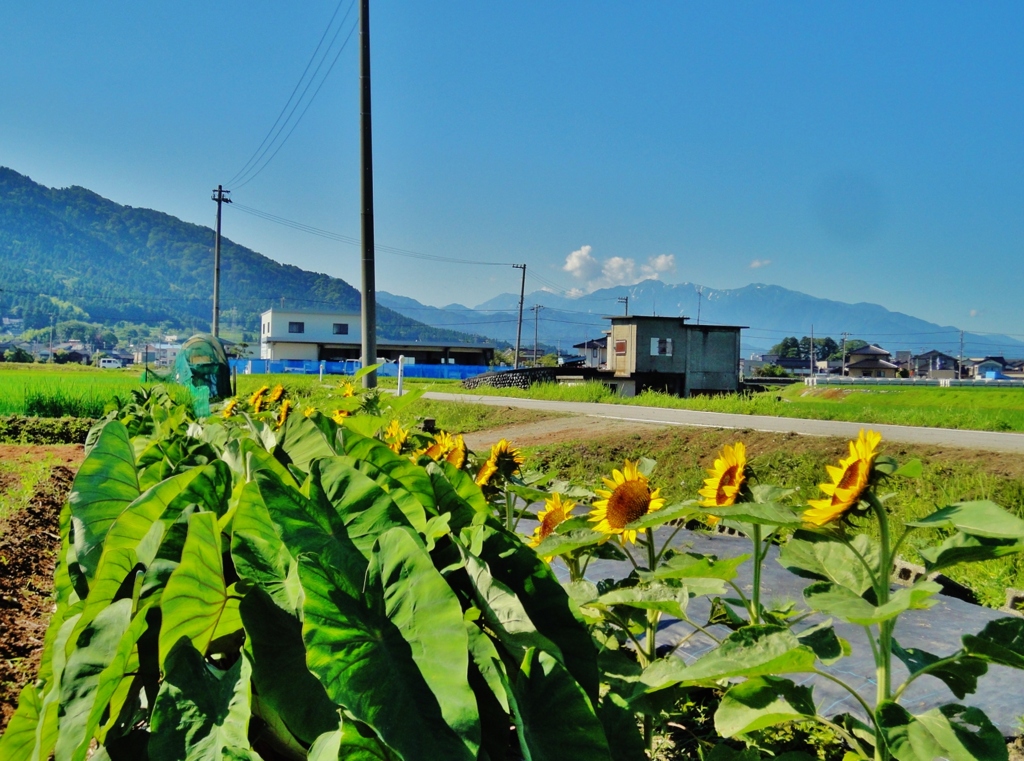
x: 769, y: 312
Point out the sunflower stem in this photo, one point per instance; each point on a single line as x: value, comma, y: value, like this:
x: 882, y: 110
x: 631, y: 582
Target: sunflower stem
x: 653, y: 618
x: 884, y: 655
x: 755, y: 603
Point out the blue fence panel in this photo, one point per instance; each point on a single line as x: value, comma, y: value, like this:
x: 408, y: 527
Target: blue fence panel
x: 351, y: 366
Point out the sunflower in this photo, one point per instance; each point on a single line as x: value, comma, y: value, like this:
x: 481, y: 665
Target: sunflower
x: 229, y: 408
x: 848, y: 480
x: 347, y: 389
x: 395, y: 436
x: 309, y: 411
x: 630, y: 499
x: 726, y: 478
x: 257, y: 404
x: 555, y: 512
x: 258, y: 395
x: 505, y: 459
x: 446, y: 447
x: 277, y: 393
x: 339, y: 416
x: 283, y: 414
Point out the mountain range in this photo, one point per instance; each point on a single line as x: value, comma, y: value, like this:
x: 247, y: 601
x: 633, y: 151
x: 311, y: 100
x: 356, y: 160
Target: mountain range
x: 769, y: 312
x: 68, y: 253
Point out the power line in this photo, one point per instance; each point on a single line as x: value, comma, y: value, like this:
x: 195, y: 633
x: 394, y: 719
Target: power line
x: 330, y: 235
x: 245, y: 180
x: 256, y: 153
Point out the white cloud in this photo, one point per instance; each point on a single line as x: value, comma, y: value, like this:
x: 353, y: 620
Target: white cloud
x: 615, y: 270
x: 759, y: 263
x: 974, y: 313
x: 581, y: 264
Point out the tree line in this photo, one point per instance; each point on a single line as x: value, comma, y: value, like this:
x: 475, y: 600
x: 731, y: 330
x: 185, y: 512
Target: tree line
x: 825, y: 348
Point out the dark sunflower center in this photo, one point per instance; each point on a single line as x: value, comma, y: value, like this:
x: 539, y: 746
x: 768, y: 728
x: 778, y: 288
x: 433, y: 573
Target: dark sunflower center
x: 628, y: 503
x: 851, y: 476
x: 728, y: 479
x: 551, y: 520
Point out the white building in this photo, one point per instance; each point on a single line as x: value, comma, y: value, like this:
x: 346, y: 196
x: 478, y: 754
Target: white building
x: 337, y: 336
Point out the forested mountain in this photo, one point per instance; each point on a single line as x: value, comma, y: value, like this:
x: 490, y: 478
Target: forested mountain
x: 69, y: 253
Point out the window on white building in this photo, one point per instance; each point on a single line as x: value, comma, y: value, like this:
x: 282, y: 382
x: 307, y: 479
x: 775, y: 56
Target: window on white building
x: 341, y: 328
x: 296, y: 327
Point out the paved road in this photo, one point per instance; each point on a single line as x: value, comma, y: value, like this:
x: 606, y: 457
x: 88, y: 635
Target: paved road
x: 942, y: 437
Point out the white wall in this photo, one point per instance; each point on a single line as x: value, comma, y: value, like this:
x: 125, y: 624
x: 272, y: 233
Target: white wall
x: 318, y: 328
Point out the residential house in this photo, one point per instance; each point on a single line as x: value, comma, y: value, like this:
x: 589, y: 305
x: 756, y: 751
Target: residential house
x: 981, y: 367
x: 870, y: 362
x: 669, y: 354
x: 935, y: 364
x: 594, y: 351
x: 335, y: 336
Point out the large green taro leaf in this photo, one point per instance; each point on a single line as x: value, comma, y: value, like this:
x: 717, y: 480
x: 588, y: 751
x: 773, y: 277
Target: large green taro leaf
x: 105, y: 485
x: 196, y: 603
x: 349, y: 744
x: 259, y: 554
x: 134, y: 527
x: 311, y: 527
x: 365, y: 508
x: 555, y: 718
x: 305, y: 439
x: 517, y: 567
x: 410, y: 506
x: 94, y: 650
x: 396, y: 658
x: 18, y: 741
x: 403, y: 470
x: 200, y: 714
x: 279, y: 672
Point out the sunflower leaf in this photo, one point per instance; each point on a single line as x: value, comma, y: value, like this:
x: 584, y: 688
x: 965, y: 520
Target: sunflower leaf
x: 966, y: 548
x: 1001, y: 641
x: 760, y: 702
x: 758, y: 513
x: 961, y: 675
x: 832, y: 599
x: 690, y: 565
x: 818, y: 556
x: 674, y: 512
x: 560, y: 544
x: 764, y: 493
x: 951, y: 731
x: 979, y: 518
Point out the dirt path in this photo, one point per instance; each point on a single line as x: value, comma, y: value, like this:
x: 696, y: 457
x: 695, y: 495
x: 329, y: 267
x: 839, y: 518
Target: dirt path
x: 558, y: 429
x: 29, y: 541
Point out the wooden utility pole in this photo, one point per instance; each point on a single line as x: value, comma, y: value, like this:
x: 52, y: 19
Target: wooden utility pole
x: 368, y: 314
x: 221, y: 197
x: 519, y: 326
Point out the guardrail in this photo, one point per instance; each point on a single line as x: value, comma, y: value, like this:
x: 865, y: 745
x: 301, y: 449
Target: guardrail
x: 938, y: 382
x: 350, y: 367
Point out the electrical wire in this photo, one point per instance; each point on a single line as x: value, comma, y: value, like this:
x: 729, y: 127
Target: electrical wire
x: 244, y: 177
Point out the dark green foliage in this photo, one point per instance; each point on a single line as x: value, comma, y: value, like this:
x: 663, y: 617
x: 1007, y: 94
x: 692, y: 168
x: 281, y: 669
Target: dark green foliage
x: 16, y: 429
x: 69, y: 254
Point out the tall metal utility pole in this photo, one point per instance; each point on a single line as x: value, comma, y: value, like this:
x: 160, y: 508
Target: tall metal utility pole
x: 700, y: 296
x: 221, y: 197
x: 811, y: 353
x: 368, y: 314
x: 960, y: 365
x: 624, y: 300
x: 519, y: 327
x: 536, y: 315
x: 844, y: 352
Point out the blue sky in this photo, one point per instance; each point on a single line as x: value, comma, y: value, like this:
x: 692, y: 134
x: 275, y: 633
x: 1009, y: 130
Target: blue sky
x: 854, y: 151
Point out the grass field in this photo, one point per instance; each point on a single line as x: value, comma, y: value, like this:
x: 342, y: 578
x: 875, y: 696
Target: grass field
x: 982, y: 409
x: 800, y: 462
x: 59, y: 390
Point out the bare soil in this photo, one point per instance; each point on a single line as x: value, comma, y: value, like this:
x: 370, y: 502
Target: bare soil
x: 29, y: 542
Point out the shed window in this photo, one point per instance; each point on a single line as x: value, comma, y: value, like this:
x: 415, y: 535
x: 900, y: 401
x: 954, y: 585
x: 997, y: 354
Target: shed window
x: 296, y: 327
x: 341, y: 328
x: 661, y: 347
x: 620, y: 348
